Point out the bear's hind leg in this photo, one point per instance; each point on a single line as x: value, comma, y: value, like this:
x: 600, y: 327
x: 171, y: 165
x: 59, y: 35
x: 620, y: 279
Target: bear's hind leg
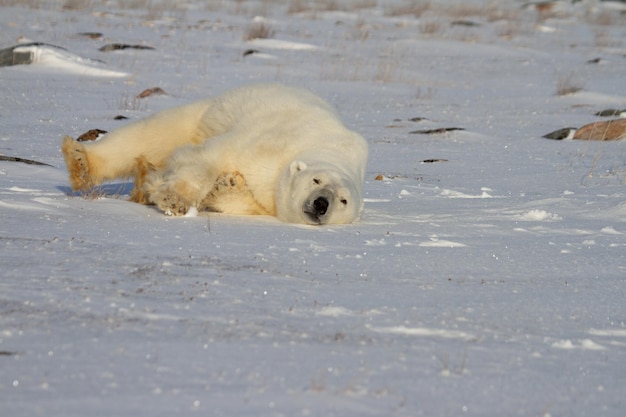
x: 77, y: 164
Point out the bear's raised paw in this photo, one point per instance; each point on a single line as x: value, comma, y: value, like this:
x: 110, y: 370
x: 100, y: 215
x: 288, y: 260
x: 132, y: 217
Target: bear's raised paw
x: 230, y: 183
x: 77, y: 164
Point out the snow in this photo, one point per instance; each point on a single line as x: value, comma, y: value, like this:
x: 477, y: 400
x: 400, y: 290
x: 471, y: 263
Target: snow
x: 491, y: 282
x: 278, y: 44
x: 58, y: 59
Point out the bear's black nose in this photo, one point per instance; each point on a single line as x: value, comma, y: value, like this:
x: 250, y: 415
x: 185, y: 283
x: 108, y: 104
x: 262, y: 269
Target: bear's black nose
x: 320, y: 205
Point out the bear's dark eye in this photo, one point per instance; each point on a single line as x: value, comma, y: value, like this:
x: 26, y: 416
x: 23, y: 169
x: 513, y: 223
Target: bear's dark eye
x: 317, y: 181
x: 344, y: 201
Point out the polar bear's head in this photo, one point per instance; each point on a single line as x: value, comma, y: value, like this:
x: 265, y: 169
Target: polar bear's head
x: 317, y: 194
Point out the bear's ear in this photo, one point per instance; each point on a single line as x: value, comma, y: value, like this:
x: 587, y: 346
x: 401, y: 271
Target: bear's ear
x: 297, y: 166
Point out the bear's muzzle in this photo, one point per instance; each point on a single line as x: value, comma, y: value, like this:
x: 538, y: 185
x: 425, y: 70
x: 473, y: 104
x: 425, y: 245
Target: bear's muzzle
x: 318, y: 206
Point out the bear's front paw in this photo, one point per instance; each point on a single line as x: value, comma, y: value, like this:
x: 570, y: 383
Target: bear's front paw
x: 227, y: 185
x: 171, y: 193
x: 169, y: 201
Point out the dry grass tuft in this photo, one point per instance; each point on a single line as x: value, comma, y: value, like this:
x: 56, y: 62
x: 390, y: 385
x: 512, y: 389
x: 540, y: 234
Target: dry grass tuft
x: 76, y: 4
x: 430, y: 27
x: 604, y: 18
x: 306, y: 6
x: 603, y: 39
x: 461, y: 11
x: 570, y: 83
x: 131, y: 102
x: 414, y: 8
x: 258, y: 30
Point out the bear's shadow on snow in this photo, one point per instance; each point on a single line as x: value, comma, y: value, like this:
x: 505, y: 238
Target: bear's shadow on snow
x: 105, y: 190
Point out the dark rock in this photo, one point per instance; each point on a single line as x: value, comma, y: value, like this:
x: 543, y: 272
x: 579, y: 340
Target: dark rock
x: 250, y: 52
x: 435, y: 131
x: 91, y: 35
x: 120, y: 46
x: 466, y: 23
x: 610, y: 112
x: 22, y: 160
x: 560, y: 134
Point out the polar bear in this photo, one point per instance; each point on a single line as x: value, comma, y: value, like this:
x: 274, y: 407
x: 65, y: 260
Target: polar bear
x: 258, y: 149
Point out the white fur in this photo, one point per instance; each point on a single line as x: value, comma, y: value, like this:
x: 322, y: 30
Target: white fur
x: 274, y: 149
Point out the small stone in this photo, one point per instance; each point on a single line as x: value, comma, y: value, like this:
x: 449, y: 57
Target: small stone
x: 91, y: 135
x: 120, y: 46
x: 151, y: 92
x: 560, y: 134
x: 435, y: 131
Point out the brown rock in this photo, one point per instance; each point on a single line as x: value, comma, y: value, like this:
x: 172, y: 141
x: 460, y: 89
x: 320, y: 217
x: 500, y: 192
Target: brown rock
x: 90, y: 135
x: 151, y: 92
x: 609, y: 130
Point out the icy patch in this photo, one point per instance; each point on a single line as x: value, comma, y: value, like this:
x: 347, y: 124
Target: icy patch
x: 608, y: 332
x: 423, y: 331
x: 23, y: 190
x: 458, y: 194
x: 49, y: 202
x: 437, y: 243
x: 144, y: 315
x: 332, y: 311
x: 376, y: 242
x: 610, y: 231
x: 585, y: 344
x: 4, y: 204
x: 545, y: 29
x: 279, y: 44
x: 537, y: 216
x: 600, y: 98
x: 376, y: 200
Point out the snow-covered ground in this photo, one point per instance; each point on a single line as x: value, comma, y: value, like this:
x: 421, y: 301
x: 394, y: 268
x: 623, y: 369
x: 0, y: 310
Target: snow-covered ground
x: 491, y: 282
